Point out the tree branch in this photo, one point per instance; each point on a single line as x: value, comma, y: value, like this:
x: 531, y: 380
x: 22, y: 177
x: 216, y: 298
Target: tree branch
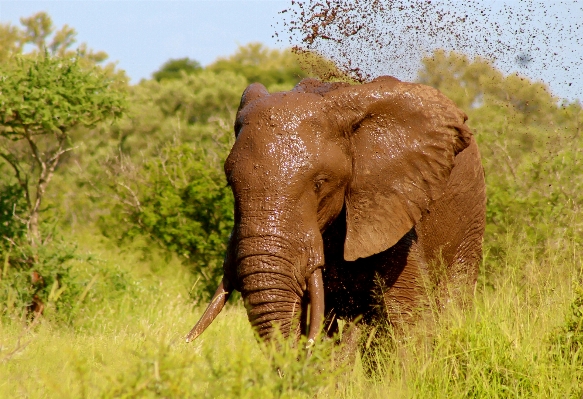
x: 22, y: 182
x: 47, y: 171
x: 505, y: 156
x: 35, y: 152
x: 134, y: 195
x: 59, y: 153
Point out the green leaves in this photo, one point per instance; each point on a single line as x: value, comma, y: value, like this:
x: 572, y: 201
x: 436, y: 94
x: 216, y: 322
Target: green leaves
x: 12, y: 203
x: 174, y: 68
x: 276, y: 70
x: 42, y: 98
x: 186, y: 205
x: 182, y: 203
x: 42, y: 95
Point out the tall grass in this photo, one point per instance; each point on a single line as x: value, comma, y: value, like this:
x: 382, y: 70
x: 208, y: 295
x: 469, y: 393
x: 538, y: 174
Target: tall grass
x: 128, y: 342
x: 502, y: 347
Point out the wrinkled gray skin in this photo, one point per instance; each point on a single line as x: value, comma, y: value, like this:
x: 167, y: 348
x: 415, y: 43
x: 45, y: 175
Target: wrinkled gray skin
x: 359, y: 200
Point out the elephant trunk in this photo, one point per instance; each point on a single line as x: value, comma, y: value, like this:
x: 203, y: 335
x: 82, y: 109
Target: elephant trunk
x: 271, y: 274
x: 272, y: 295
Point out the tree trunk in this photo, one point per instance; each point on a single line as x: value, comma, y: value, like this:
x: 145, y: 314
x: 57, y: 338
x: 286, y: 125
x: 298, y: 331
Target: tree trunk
x: 47, y: 168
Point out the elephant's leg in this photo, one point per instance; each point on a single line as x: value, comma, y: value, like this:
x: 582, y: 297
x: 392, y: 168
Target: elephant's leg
x: 347, y: 348
x: 401, y: 298
x: 451, y: 232
x: 404, y: 297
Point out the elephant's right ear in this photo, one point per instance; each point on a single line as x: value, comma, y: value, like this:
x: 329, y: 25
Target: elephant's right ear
x: 403, y: 139
x: 251, y: 93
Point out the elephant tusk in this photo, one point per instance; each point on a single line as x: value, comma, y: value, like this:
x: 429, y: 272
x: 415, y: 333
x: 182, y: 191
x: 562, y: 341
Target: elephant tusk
x: 213, y: 309
x: 316, y: 291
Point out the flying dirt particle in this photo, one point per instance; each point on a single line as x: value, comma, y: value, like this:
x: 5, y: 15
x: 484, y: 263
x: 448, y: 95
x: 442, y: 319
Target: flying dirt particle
x: 369, y: 38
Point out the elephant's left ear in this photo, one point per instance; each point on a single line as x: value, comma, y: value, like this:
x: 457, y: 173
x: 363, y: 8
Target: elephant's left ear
x: 253, y: 92
x: 404, y: 138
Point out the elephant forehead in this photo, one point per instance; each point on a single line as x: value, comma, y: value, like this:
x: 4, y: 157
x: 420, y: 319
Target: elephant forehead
x: 271, y: 162
x: 279, y: 150
x: 291, y: 153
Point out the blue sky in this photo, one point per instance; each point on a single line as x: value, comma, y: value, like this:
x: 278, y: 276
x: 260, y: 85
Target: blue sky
x: 142, y: 34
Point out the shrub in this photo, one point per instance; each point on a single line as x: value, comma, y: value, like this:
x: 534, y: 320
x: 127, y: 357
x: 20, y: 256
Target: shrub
x: 182, y: 203
x: 163, y: 368
x: 38, y: 280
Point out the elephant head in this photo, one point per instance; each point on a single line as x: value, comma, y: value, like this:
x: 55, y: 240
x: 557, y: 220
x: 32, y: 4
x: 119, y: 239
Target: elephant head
x: 383, y: 151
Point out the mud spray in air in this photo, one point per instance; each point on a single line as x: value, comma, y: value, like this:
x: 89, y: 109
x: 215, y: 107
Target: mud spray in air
x: 368, y: 38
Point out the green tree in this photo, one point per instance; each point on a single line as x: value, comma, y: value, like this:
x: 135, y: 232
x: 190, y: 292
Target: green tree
x: 43, y: 99
x: 191, y: 109
x: 278, y: 70
x: 10, y: 41
x: 38, y: 30
x: 275, y: 69
x: 47, y: 94
x: 50, y: 100
x: 173, y: 69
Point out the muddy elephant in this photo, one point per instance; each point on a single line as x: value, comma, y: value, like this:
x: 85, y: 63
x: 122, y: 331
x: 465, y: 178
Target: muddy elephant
x: 358, y: 201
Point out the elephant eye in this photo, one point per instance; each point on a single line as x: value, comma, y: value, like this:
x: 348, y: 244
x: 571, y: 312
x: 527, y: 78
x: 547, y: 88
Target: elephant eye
x: 318, y: 184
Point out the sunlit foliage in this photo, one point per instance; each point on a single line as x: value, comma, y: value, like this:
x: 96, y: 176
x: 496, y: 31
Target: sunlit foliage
x: 45, y: 95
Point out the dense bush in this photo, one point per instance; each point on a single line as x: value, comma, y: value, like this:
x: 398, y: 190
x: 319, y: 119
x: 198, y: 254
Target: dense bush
x: 181, y: 203
x: 283, y: 372
x: 38, y: 280
x: 174, y: 68
x: 12, y: 202
x: 276, y: 70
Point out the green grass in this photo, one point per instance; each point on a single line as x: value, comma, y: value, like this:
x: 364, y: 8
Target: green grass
x: 128, y: 341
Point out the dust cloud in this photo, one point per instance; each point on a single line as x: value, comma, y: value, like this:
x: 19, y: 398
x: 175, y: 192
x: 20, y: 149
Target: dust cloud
x: 368, y: 38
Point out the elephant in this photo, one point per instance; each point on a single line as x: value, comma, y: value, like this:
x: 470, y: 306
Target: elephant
x: 355, y: 201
